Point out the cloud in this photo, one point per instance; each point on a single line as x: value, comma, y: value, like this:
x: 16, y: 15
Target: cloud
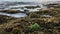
x: 31, y: 0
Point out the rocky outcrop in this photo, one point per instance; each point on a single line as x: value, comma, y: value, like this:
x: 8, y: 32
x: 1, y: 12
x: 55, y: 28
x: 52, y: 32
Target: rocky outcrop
x: 31, y: 7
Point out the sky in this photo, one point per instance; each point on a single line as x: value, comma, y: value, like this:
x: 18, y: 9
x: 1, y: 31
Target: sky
x: 30, y: 0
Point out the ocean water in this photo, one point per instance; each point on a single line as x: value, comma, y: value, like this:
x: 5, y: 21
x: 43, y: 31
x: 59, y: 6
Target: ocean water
x: 21, y: 7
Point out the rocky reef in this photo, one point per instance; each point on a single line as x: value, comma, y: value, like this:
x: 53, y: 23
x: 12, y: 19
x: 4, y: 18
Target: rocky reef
x: 12, y: 11
x: 41, y: 22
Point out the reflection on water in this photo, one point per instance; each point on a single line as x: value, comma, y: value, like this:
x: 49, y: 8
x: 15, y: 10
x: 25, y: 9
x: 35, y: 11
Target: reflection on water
x: 17, y: 15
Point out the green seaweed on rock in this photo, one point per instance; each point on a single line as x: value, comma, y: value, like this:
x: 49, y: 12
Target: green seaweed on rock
x: 35, y: 26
